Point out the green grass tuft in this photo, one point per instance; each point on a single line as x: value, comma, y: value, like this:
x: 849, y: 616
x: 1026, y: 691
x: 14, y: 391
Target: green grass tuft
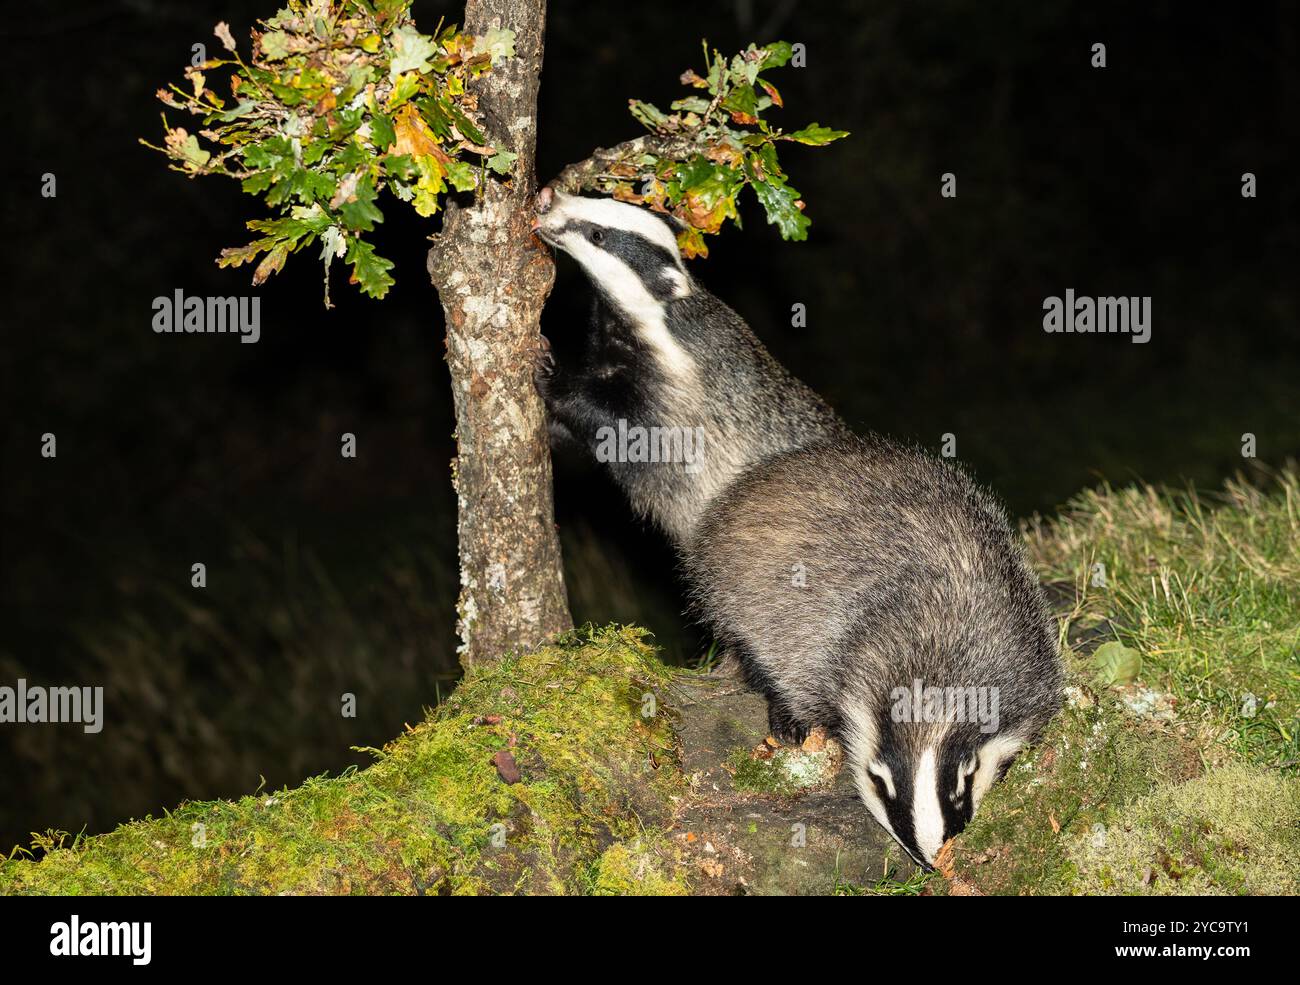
x: 1207, y: 589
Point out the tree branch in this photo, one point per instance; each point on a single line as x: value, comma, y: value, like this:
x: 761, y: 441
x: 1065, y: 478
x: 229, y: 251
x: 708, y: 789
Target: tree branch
x: 583, y: 174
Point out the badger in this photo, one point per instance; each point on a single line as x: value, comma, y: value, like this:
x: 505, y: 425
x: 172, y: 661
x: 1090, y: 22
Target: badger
x: 862, y: 585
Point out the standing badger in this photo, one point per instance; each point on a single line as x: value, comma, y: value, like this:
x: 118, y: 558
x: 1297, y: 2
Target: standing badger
x: 863, y: 586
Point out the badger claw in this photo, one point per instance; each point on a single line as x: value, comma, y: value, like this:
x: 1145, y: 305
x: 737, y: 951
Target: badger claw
x: 544, y: 365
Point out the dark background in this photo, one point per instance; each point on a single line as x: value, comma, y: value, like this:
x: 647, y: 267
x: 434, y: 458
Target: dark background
x: 329, y: 575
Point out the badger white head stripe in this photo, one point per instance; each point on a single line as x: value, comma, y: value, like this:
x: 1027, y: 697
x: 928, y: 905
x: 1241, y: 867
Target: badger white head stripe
x: 927, y: 814
x: 886, y: 776
x: 577, y: 226
x: 992, y: 755
x: 610, y: 214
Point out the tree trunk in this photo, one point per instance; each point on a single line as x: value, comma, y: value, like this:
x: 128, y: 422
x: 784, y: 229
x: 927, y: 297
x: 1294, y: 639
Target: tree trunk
x: 493, y: 278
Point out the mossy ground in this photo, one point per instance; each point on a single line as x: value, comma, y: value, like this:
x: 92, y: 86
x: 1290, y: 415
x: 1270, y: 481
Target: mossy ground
x: 585, y: 722
x: 1115, y: 799
x: 1201, y: 800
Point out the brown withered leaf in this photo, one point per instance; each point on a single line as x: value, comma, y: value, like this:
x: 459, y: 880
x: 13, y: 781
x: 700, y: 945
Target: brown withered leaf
x: 943, y: 862
x: 725, y: 153
x: 816, y: 740
x: 222, y: 31
x: 506, y: 766
x: 413, y: 135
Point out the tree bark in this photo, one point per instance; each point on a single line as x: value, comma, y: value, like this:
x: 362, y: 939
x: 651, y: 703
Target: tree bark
x: 493, y: 277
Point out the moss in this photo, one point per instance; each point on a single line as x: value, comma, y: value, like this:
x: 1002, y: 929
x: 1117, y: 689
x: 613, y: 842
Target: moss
x: 432, y: 814
x: 1231, y: 831
x: 1111, y: 802
x: 633, y: 869
x: 1095, y: 757
x: 786, y: 771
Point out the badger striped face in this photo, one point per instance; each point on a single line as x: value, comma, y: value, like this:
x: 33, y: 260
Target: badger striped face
x: 925, y: 798
x: 631, y: 257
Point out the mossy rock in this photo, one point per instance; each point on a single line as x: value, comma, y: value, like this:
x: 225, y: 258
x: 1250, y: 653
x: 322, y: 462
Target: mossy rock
x: 584, y: 722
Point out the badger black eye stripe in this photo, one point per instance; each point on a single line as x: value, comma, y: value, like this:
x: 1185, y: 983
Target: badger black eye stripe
x: 658, y: 270
x: 626, y: 244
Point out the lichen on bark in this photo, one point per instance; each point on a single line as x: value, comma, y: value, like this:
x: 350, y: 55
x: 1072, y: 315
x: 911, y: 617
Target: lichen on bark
x: 493, y: 277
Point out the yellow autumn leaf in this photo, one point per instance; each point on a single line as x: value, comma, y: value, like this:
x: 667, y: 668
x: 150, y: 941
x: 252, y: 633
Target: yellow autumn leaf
x: 432, y: 182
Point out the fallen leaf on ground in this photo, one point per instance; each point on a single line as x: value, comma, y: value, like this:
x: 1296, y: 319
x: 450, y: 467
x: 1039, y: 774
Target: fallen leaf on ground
x: 816, y: 740
x: 506, y: 766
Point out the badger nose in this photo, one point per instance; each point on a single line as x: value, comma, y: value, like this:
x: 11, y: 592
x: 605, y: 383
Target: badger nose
x: 544, y: 199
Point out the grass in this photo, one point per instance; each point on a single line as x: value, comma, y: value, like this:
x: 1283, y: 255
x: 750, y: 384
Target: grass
x: 1117, y: 799
x: 913, y: 885
x: 1207, y: 589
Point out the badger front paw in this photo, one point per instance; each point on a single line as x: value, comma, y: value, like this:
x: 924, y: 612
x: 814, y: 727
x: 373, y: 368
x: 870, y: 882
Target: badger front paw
x: 545, y: 368
x: 784, y: 726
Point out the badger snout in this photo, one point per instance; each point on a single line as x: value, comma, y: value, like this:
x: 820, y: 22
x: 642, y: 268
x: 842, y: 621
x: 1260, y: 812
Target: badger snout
x: 543, y: 203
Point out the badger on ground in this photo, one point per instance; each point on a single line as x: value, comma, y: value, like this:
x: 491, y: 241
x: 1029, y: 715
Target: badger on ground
x: 863, y: 586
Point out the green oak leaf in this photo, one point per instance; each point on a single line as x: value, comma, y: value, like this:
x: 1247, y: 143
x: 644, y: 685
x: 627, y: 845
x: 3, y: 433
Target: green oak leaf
x: 275, y: 45
x: 778, y: 201
x: 497, y: 42
x: 369, y: 271
x: 816, y: 135
x: 413, y: 52
x: 460, y: 175
x: 193, y: 153
x: 502, y: 161
x: 382, y: 133
x: 405, y: 86
x: 691, y: 104
x: 648, y: 114
x: 242, y: 108
x: 359, y: 211
x: 778, y: 53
